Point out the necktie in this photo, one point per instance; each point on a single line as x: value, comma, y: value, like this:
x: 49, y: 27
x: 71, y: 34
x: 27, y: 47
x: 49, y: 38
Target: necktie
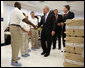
x: 45, y: 17
x: 56, y: 17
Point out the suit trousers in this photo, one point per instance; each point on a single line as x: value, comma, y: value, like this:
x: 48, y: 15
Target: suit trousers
x: 63, y: 34
x: 15, y: 41
x: 56, y: 37
x: 46, y: 41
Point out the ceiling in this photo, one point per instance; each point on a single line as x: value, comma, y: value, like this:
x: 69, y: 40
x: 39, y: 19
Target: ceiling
x: 76, y: 6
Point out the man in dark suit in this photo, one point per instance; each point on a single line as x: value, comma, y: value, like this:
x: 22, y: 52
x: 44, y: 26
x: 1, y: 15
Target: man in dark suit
x: 68, y: 15
x: 57, y: 35
x: 48, y: 30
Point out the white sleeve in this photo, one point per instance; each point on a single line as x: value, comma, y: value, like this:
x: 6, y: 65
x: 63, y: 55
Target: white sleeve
x: 21, y: 24
x: 20, y: 15
x: 29, y: 19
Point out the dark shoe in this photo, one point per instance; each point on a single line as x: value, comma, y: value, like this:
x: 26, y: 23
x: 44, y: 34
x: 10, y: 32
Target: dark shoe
x: 42, y: 53
x: 54, y: 47
x: 63, y: 51
x: 46, y: 55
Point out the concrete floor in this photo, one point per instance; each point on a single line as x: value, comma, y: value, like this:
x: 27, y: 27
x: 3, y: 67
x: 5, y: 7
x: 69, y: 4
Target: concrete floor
x: 35, y: 59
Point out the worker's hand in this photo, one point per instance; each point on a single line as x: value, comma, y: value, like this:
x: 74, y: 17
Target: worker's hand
x: 61, y: 23
x: 35, y: 27
x: 53, y: 33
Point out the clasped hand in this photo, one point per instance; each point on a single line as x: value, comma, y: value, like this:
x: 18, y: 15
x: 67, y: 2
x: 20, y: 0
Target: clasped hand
x: 35, y: 27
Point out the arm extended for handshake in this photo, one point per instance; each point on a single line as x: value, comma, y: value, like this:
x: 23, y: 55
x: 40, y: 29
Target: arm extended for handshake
x: 28, y: 22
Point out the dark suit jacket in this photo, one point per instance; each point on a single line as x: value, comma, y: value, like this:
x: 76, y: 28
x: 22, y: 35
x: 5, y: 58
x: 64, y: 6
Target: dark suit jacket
x: 70, y: 15
x: 50, y: 24
x: 59, y: 19
x: 59, y: 28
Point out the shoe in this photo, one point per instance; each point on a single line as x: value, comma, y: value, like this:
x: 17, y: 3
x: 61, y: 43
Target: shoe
x: 27, y: 54
x: 46, y: 55
x: 54, y: 47
x: 59, y: 49
x: 29, y: 50
x: 16, y: 64
x: 34, y: 49
x: 37, y: 47
x: 42, y: 53
x: 18, y: 58
x: 24, y: 55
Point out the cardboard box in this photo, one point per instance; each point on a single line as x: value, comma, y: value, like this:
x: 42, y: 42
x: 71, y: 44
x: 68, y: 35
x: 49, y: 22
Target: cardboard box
x: 78, y: 32
x: 75, y: 32
x: 70, y: 49
x: 74, y: 57
x: 75, y: 22
x: 82, y: 54
x: 74, y: 48
x: 75, y: 40
x: 67, y: 64
x: 69, y: 32
x: 79, y: 50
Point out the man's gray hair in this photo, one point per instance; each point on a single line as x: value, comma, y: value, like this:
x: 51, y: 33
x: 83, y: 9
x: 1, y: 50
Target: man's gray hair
x: 47, y: 7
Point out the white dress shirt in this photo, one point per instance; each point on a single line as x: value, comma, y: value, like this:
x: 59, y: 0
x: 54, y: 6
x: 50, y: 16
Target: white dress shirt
x: 67, y: 12
x: 34, y: 21
x: 25, y: 26
x: 16, y: 16
x: 46, y: 15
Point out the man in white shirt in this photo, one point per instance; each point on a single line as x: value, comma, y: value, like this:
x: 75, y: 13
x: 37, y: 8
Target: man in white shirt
x: 15, y: 19
x: 34, y: 36
x: 25, y: 38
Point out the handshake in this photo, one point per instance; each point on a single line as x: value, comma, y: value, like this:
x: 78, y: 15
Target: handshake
x: 35, y: 27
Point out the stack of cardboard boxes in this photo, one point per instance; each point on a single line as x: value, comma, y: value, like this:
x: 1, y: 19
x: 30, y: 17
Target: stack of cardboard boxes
x: 74, y: 43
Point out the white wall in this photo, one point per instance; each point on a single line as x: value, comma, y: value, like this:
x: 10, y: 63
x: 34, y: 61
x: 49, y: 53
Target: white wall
x: 2, y: 25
